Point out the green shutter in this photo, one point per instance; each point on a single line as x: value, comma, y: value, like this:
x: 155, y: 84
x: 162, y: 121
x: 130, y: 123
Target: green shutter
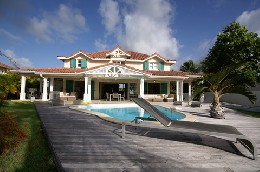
x: 145, y: 88
x: 69, y: 86
x: 72, y: 63
x: 83, y: 63
x: 146, y: 65
x: 163, y: 89
x: 161, y: 66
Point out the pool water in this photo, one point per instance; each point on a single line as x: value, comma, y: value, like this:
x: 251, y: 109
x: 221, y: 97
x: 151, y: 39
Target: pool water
x: 130, y: 111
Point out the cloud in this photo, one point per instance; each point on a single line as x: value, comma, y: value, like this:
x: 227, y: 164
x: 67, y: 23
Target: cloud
x: 109, y: 11
x: 145, y: 26
x: 9, y: 35
x: 66, y: 22
x: 206, y: 44
x: 251, y: 20
x: 100, y: 45
x: 21, y: 62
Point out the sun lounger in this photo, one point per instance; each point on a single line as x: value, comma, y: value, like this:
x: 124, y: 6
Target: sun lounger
x: 229, y: 132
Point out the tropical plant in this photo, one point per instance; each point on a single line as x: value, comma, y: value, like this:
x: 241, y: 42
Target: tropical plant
x: 190, y: 66
x: 8, y: 84
x: 234, y: 45
x: 228, y: 80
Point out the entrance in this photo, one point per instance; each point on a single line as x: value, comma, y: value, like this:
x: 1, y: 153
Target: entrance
x: 79, y: 89
x: 111, y: 88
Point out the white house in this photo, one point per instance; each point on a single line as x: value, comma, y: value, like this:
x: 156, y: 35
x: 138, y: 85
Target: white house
x: 91, y: 75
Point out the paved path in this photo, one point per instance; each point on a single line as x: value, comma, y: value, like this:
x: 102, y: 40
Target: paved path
x: 83, y: 142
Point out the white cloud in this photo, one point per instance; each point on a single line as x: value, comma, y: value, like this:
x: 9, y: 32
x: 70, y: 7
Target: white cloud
x: 66, y: 22
x: 146, y: 27
x: 20, y: 61
x: 109, y: 11
x: 9, y: 35
x: 100, y: 45
x: 251, y: 20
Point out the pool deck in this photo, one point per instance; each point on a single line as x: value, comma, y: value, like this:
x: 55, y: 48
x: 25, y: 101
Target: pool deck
x: 84, y: 142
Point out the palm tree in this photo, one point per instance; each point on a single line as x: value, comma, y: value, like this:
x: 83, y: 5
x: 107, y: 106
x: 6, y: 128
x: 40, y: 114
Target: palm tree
x: 189, y: 66
x: 228, y: 80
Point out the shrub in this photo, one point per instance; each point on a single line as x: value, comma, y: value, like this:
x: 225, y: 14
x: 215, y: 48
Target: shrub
x: 10, y: 133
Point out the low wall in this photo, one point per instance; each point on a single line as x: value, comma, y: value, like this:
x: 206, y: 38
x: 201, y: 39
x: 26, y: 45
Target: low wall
x: 235, y: 98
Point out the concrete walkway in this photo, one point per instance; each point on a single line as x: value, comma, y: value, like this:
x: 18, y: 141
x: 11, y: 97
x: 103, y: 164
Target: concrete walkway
x: 83, y: 142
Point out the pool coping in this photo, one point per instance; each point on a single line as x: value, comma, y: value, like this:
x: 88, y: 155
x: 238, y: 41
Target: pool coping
x: 188, y: 116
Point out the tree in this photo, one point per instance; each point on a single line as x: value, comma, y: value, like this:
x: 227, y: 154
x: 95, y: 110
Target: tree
x: 190, y: 66
x: 235, y: 44
x: 225, y: 81
x: 8, y: 84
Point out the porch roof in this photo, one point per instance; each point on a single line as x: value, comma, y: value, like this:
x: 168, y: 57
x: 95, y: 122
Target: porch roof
x: 102, y: 70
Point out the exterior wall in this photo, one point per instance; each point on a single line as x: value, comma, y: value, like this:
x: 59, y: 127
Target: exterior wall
x: 138, y: 65
x: 235, y: 99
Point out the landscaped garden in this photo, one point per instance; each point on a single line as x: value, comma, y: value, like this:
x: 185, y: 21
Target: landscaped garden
x: 22, y: 142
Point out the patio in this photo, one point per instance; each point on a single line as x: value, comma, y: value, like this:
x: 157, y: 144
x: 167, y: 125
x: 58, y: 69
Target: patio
x: 83, y: 142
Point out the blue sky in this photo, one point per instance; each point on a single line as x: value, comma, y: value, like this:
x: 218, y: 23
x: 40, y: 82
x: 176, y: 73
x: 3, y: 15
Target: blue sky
x: 35, y: 32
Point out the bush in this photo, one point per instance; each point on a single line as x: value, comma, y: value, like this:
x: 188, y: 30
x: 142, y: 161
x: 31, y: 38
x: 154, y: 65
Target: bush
x: 10, y: 133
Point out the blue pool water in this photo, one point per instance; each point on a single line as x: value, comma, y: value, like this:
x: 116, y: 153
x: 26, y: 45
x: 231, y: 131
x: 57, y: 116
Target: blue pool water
x: 130, y: 111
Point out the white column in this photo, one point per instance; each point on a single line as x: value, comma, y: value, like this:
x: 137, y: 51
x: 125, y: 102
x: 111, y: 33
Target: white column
x: 87, y: 92
x: 177, y: 91
x: 44, y: 91
x: 189, y: 91
x: 89, y: 89
x: 141, y: 88
x: 181, y: 91
x: 51, y: 84
x: 168, y: 87
x: 23, y: 84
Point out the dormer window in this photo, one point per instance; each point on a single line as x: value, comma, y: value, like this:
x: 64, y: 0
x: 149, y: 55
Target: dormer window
x: 79, y: 63
x: 153, y: 66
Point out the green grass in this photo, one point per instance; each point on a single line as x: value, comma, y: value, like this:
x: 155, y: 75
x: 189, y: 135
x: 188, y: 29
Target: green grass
x: 254, y: 114
x: 33, y: 154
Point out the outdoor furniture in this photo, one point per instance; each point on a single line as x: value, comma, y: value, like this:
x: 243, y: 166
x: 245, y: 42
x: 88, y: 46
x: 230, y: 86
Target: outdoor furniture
x: 177, y: 102
x: 67, y: 96
x: 221, y: 131
x: 115, y: 96
x: 195, y: 104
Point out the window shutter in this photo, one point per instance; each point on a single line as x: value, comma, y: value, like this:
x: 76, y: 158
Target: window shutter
x: 146, y: 65
x: 69, y: 86
x: 72, y: 63
x: 163, y: 89
x: 161, y: 66
x: 145, y: 87
x: 83, y: 63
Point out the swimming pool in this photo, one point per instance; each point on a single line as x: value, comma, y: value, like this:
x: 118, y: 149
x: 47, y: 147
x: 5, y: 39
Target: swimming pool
x: 129, y: 111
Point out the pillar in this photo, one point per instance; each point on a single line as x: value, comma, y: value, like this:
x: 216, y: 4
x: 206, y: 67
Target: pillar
x: 64, y: 85
x: 44, y: 91
x: 181, y: 90
x: 141, y: 88
x: 51, y: 84
x: 177, y: 91
x: 189, y: 91
x: 87, y: 88
x: 23, y: 84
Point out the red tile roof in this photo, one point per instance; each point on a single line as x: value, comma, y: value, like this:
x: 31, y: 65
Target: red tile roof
x: 170, y: 73
x: 54, y: 70
x: 6, y: 66
x: 77, y: 70
x: 103, y: 54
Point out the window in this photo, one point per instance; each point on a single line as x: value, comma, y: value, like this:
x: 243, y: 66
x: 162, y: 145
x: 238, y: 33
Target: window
x: 79, y: 63
x: 153, y: 66
x: 119, y: 62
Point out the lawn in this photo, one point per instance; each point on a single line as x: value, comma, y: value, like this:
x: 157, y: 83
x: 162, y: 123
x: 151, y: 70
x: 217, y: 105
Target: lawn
x: 254, y: 114
x: 33, y: 154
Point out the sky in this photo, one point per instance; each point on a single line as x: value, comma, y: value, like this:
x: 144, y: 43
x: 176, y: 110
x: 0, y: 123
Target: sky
x: 35, y: 32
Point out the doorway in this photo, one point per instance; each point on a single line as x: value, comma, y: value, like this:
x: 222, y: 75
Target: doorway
x: 110, y: 88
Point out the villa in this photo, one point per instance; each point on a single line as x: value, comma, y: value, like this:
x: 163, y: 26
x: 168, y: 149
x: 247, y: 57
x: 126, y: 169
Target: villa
x: 96, y: 75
